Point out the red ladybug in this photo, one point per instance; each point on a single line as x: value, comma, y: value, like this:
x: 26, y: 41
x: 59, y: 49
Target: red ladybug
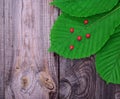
x: 86, y: 21
x: 79, y: 38
x: 71, y: 47
x: 71, y: 30
x: 88, y: 35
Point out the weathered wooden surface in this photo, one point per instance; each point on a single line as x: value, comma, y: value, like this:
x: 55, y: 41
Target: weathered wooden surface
x: 29, y: 71
x: 78, y: 80
x: 1, y: 51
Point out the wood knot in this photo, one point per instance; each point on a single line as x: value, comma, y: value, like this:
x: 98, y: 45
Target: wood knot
x: 117, y: 95
x: 17, y: 67
x: 25, y: 82
x: 47, y: 81
x: 65, y: 89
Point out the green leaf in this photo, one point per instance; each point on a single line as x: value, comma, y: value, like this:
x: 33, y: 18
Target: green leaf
x: 100, y: 28
x: 108, y: 60
x: 85, y: 8
x: 117, y: 29
x: 60, y: 0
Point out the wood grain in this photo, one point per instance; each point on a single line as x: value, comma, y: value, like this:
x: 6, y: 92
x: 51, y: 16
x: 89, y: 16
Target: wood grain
x: 2, y: 50
x: 80, y: 76
x: 79, y: 80
x: 30, y: 70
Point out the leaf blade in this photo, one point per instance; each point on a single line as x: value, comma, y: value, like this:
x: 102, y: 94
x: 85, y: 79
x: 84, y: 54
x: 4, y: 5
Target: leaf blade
x: 108, y: 60
x: 85, y: 8
x: 100, y: 27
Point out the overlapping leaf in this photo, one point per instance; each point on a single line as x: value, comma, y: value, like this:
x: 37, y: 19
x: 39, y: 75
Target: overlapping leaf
x: 100, y: 28
x: 117, y: 29
x: 84, y: 8
x: 108, y: 60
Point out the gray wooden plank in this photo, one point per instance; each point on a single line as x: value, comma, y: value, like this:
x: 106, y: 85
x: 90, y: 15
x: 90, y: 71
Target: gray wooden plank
x: 79, y: 80
x: 79, y: 76
x: 117, y: 92
x: 30, y: 70
x: 104, y: 90
x: 2, y: 86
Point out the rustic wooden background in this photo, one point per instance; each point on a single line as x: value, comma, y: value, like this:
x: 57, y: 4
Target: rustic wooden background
x: 29, y: 71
